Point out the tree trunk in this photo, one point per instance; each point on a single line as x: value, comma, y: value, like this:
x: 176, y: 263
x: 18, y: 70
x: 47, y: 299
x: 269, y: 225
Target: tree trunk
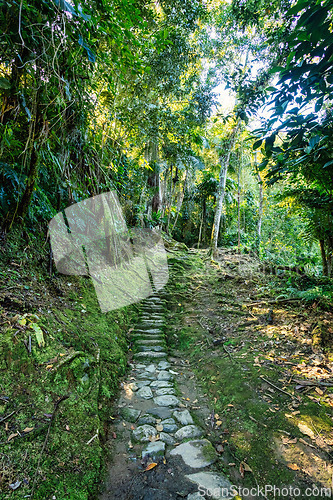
x: 260, y: 213
x: 181, y: 202
x: 323, y: 257
x: 221, y: 190
x: 238, y: 203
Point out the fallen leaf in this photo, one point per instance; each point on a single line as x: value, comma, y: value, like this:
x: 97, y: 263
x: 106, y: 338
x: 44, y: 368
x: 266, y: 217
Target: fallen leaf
x: 62, y: 354
x: 306, y: 430
x: 114, y: 435
x: 132, y: 427
x: 241, y: 470
x: 67, y: 428
x: 231, y: 464
x: 159, y: 427
x: 130, y: 445
x: 49, y: 366
x: 28, y: 429
x: 218, y: 423
x: 319, y: 391
x: 247, y: 468
x: 293, y: 466
x: 151, y: 466
x: 230, y: 405
x: 12, y: 436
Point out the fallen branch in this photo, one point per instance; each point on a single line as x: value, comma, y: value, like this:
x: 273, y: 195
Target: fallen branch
x: 312, y: 383
x: 276, y: 387
x: 7, y: 417
x: 273, y: 301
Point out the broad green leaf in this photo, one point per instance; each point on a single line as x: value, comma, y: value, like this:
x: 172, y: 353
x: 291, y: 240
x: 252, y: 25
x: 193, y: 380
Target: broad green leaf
x: 4, y: 83
x: 39, y: 334
x: 22, y: 321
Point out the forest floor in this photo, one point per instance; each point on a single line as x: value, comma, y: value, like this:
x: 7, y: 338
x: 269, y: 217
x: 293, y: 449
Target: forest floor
x: 256, y: 374
x: 254, y: 369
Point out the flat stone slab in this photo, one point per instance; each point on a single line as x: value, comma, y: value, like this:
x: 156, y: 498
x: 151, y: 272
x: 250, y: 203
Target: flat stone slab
x: 143, y: 433
x: 153, y: 331
x: 162, y: 412
x: 154, y: 450
x: 165, y: 391
x: 166, y: 401
x: 184, y: 417
x: 163, y: 365
x: 164, y: 375
x: 213, y: 485
x: 196, y: 454
x: 189, y: 431
x: 130, y: 414
x: 150, y: 348
x: 146, y: 375
x: 150, y: 354
x: 145, y: 393
x: 147, y: 419
x: 161, y: 383
x: 149, y: 341
x: 142, y: 383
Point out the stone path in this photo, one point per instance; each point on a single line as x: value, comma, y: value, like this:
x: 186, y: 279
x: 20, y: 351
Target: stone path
x: 156, y: 428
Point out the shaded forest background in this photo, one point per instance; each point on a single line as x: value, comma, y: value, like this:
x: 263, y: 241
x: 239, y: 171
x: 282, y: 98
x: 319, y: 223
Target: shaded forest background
x: 124, y: 95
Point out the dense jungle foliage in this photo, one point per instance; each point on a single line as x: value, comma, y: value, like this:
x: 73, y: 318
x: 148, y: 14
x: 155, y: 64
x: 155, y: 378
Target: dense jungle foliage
x: 124, y: 96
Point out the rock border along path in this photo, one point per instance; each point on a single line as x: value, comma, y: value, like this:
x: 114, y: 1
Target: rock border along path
x: 159, y: 427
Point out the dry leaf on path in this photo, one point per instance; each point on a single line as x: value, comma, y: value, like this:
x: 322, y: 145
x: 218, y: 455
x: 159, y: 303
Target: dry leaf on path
x: 12, y: 436
x: 293, y: 466
x: 151, y: 466
x: 28, y: 429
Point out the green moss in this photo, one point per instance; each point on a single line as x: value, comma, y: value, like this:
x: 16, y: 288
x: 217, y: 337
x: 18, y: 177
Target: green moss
x: 31, y: 384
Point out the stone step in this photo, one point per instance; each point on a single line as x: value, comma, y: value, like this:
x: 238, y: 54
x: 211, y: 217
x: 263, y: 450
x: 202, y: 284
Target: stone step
x: 149, y: 355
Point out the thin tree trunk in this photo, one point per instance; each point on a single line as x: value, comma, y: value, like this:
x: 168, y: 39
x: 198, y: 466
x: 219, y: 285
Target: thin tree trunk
x: 238, y: 203
x: 261, y: 198
x: 323, y: 257
x: 221, y: 190
x: 181, y: 202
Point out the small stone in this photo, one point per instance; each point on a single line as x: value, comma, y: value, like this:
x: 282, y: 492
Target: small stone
x: 184, y: 417
x: 166, y: 401
x: 164, y: 391
x: 164, y: 375
x: 147, y: 419
x: 189, y: 431
x: 161, y: 412
x: 161, y: 383
x: 216, y: 485
x: 196, y: 454
x: 144, y: 432
x: 166, y: 438
x: 130, y: 414
x: 169, y: 425
x: 145, y: 392
x: 194, y: 496
x: 154, y: 450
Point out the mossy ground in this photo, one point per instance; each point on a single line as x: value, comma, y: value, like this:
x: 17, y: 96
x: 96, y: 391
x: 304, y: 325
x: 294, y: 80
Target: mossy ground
x: 237, y: 356
x: 83, y: 359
